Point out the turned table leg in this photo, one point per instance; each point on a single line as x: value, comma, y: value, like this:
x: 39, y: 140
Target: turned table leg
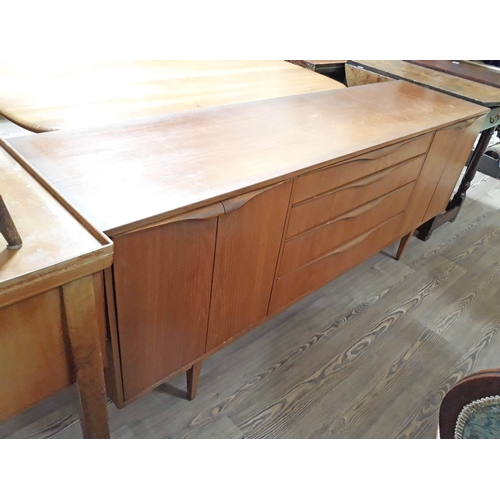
x: 193, y: 376
x: 83, y: 332
x: 402, y: 244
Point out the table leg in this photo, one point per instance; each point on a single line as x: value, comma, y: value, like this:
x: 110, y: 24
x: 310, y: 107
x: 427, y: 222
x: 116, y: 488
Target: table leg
x: 425, y: 230
x: 83, y: 332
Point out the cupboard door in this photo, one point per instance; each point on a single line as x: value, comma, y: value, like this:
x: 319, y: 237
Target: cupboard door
x: 446, y: 158
x: 162, y: 279
x: 248, y: 242
x: 453, y: 169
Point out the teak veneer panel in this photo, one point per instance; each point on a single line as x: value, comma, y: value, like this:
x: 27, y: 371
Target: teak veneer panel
x: 431, y: 194
x: 454, y: 166
x: 248, y: 243
x: 299, y: 283
x: 325, y: 179
x: 309, y: 246
x: 316, y: 211
x: 33, y: 352
x: 128, y: 175
x: 162, y: 279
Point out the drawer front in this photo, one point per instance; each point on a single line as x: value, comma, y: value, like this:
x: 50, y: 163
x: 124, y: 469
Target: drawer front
x: 317, y: 211
x: 305, y: 280
x: 326, y: 179
x: 310, y: 246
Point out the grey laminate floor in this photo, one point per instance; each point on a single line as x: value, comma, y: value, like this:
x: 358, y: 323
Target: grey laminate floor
x: 370, y: 355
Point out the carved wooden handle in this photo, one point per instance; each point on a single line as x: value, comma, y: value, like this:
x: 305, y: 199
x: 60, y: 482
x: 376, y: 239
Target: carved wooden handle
x: 214, y: 210
x: 8, y: 228
x: 360, y: 210
x: 239, y: 201
x: 202, y: 213
x: 380, y: 153
x: 359, y: 239
x: 468, y: 122
x: 371, y: 179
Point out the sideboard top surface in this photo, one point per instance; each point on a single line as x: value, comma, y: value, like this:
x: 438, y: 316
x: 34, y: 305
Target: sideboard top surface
x: 55, y: 243
x: 127, y: 175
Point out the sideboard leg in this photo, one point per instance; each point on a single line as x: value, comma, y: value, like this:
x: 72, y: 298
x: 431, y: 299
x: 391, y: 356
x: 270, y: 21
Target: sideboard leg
x: 83, y: 331
x: 193, y: 377
x: 402, y: 244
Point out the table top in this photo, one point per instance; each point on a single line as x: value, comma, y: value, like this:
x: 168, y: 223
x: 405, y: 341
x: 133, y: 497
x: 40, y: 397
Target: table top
x: 58, y: 246
x: 470, y: 70
x: 48, y: 96
x: 123, y: 176
x: 473, y: 91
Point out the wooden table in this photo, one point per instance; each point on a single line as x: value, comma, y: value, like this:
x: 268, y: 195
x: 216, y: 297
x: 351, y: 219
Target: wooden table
x: 51, y: 302
x: 463, y: 79
x: 223, y: 217
x: 51, y: 95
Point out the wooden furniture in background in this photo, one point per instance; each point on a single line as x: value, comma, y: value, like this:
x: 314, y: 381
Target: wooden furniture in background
x: 51, y: 305
x: 331, y: 68
x: 223, y: 217
x: 52, y: 95
x: 463, y: 79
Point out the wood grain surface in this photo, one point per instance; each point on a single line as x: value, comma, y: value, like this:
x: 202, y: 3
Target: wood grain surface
x: 328, y: 178
x: 479, y: 93
x: 53, y: 95
x: 309, y: 246
x: 57, y: 247
x: 475, y: 71
x: 82, y: 326
x: 162, y: 281
x: 189, y: 159
x: 312, y: 213
x: 248, y: 244
x: 32, y: 365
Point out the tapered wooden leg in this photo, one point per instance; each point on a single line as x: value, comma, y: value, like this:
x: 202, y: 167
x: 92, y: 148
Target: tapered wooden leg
x: 402, y: 244
x: 83, y: 332
x: 193, y: 376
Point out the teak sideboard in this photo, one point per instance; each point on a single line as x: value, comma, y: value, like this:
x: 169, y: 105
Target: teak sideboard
x: 223, y: 217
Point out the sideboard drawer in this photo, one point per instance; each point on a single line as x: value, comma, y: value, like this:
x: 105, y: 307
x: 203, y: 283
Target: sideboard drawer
x: 321, y: 181
x: 317, y: 211
x: 310, y: 246
x: 299, y: 283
